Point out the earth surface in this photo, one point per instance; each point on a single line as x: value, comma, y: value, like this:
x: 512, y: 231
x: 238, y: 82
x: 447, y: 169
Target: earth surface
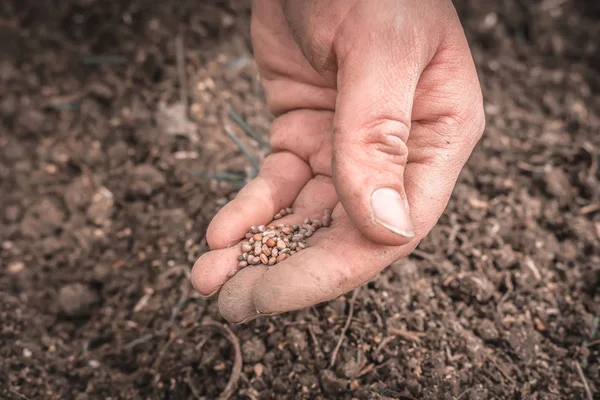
x: 114, y: 157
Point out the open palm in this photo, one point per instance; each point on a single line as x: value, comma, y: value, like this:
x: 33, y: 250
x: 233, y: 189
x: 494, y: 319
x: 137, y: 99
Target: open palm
x: 389, y: 111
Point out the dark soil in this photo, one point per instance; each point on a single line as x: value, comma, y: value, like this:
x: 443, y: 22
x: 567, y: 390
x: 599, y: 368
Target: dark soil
x: 105, y: 200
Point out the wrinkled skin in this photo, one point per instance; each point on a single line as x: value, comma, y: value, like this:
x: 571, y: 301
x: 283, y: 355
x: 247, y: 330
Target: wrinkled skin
x: 367, y: 95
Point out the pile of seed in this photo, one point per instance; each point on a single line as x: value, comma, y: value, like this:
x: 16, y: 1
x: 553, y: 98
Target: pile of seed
x: 269, y: 245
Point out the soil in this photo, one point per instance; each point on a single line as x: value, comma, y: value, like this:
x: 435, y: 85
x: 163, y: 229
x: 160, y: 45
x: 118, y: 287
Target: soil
x: 107, y: 185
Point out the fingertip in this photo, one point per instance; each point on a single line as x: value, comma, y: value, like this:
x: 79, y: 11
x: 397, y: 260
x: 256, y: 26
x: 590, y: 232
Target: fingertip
x: 210, y: 271
x: 236, y: 303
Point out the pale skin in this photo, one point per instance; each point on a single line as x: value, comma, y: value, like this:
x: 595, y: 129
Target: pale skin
x: 378, y: 107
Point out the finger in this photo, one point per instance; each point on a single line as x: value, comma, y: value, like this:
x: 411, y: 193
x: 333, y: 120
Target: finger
x: 338, y: 260
x: 306, y: 133
x: 377, y: 81
x: 214, y: 268
x: 281, y: 178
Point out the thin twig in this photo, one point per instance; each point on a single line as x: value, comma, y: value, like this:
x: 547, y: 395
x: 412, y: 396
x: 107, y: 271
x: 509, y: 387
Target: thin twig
x: 345, y: 328
x: 180, y: 55
x: 316, y: 341
x: 21, y: 395
x: 460, y: 396
x: 237, y: 118
x: 406, y: 335
x: 423, y: 255
x: 139, y: 340
x: 586, y: 386
x: 229, y: 335
x: 242, y: 148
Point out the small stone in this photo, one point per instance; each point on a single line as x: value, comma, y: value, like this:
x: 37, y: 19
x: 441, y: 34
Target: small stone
x: 27, y: 353
x: 94, y: 364
x: 246, y: 247
x: 15, y: 267
x: 242, y: 264
x: 487, y: 330
x: 264, y: 259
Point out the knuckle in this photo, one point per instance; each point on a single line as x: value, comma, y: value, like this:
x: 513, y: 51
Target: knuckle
x: 386, y: 138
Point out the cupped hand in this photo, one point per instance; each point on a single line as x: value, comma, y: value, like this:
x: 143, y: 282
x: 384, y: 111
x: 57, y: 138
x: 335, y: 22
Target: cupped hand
x: 378, y: 106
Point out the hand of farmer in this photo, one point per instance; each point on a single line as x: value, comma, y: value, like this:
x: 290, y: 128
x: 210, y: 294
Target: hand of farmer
x: 378, y: 106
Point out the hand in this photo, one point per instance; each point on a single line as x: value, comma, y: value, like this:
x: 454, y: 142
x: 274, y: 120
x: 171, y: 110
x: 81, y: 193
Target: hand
x: 377, y: 106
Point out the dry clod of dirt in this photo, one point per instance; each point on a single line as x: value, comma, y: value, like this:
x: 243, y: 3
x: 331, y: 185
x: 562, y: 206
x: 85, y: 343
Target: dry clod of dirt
x: 77, y: 300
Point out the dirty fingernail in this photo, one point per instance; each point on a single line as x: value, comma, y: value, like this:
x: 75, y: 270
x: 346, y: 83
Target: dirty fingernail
x: 391, y: 212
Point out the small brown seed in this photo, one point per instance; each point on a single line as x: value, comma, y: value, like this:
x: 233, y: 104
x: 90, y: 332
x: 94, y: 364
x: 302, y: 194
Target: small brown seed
x: 284, y: 251
x: 271, y: 242
x: 241, y: 257
x: 245, y: 255
x: 293, y: 245
x: 251, y: 240
x: 274, y: 252
x: 246, y: 247
x: 249, y: 258
x: 277, y: 216
x: 261, y: 228
x: 254, y: 229
x: 289, y: 210
x: 264, y: 259
x: 242, y: 264
x: 292, y: 252
x: 272, y: 261
x: 257, y: 237
x: 308, y: 234
x: 301, y: 246
x: 286, y: 230
x: 281, y: 244
x: 307, y: 221
x: 271, y: 227
x: 256, y: 261
x: 266, y: 250
x: 283, y: 212
x: 296, y: 227
x: 326, y: 221
x: 282, y: 257
x: 249, y: 235
x: 258, y: 250
x: 297, y: 238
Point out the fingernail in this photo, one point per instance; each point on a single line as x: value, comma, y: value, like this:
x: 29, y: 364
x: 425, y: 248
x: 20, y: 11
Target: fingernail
x: 391, y: 212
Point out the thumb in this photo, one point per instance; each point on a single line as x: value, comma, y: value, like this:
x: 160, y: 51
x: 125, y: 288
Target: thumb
x: 376, y: 88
